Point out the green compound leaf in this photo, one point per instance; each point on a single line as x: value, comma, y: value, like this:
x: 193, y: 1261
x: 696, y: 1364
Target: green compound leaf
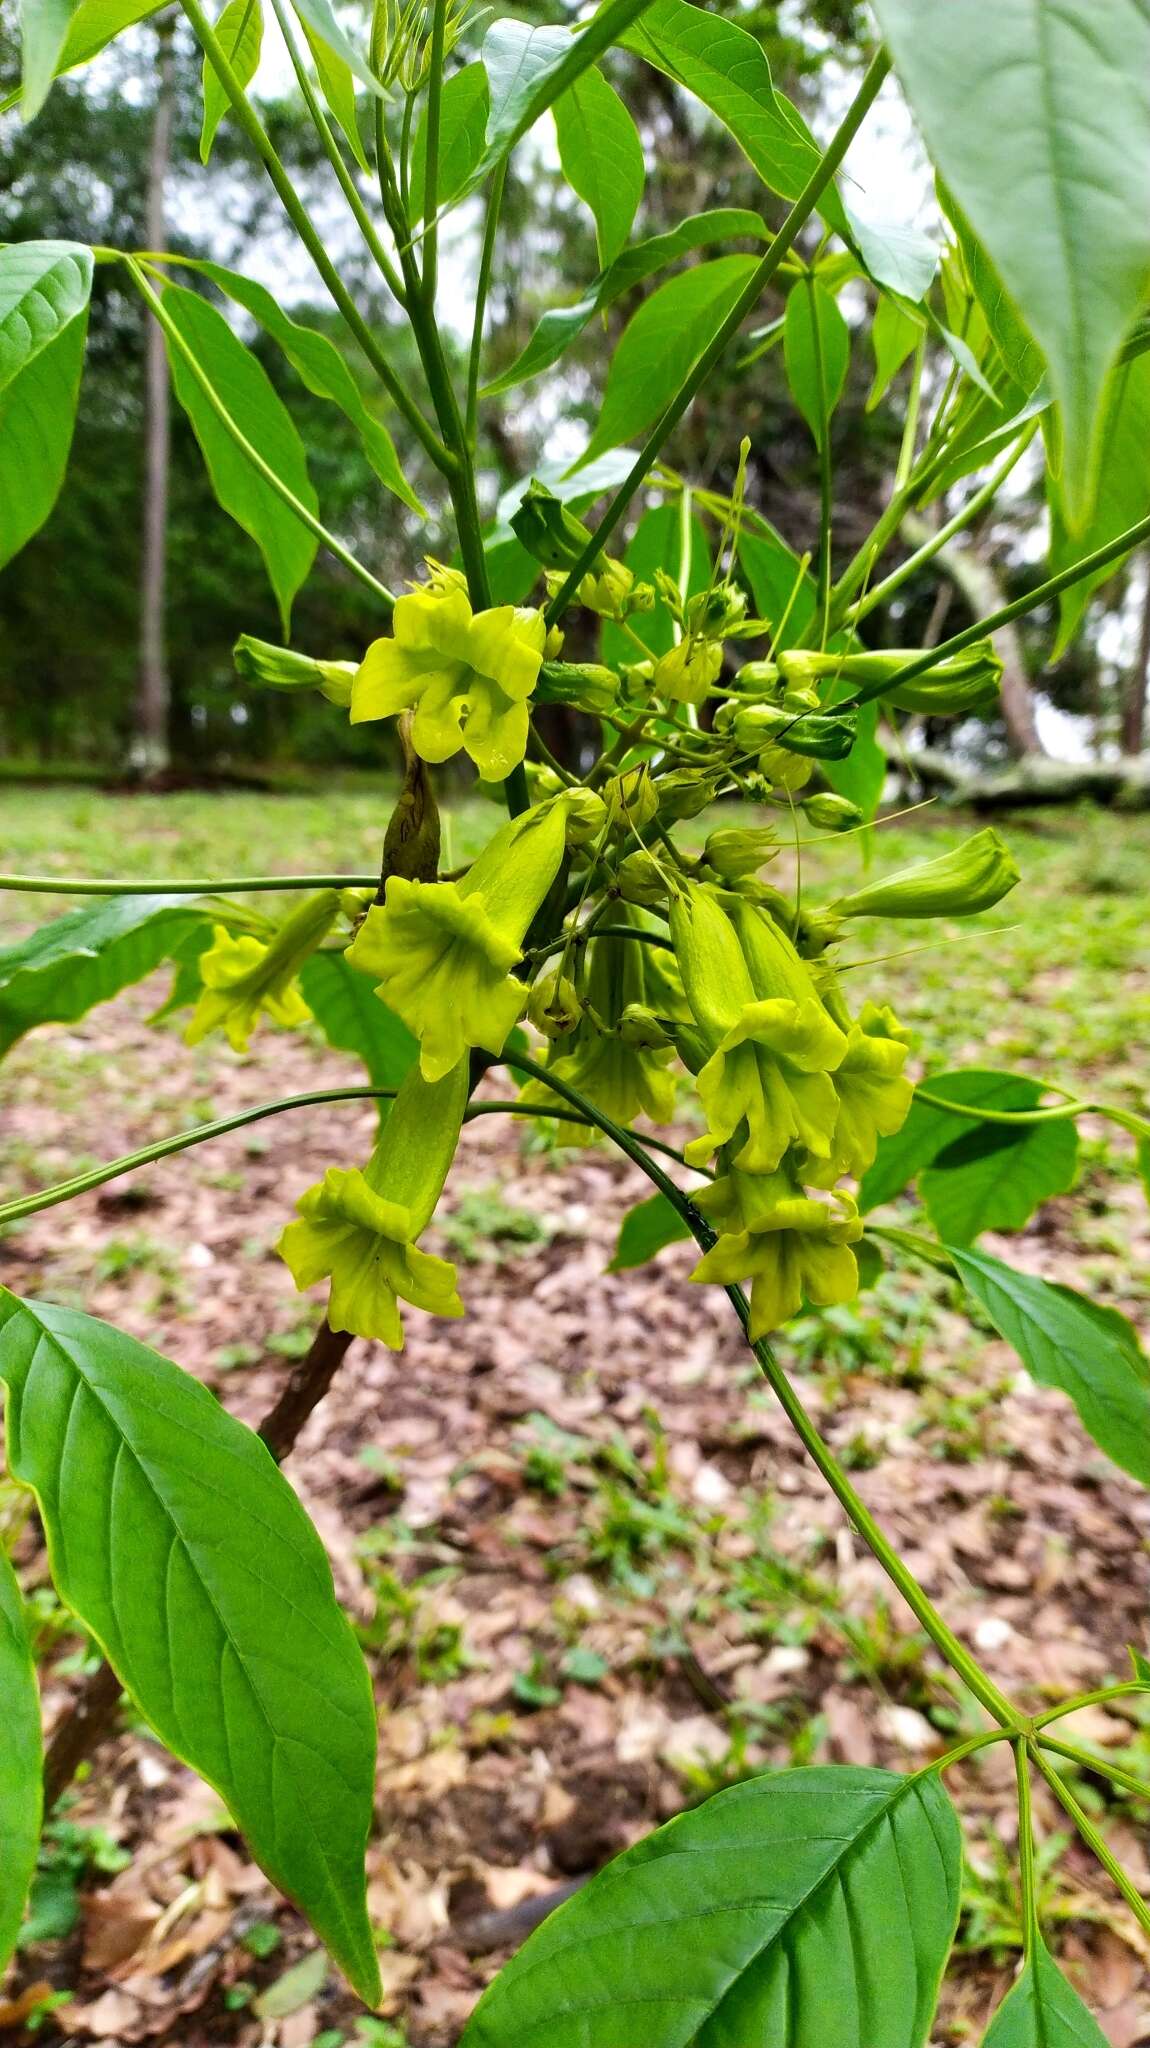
x: 462, y: 125
x: 661, y: 345
x: 811, y: 1907
x: 602, y: 157
x: 645, y: 1229
x: 975, y: 1175
x: 176, y: 1539
x: 1038, y: 117
x: 246, y: 391
x: 352, y: 1018
x: 87, y: 956
x: 1123, y: 495
x: 240, y: 29
x: 817, y: 349
x: 45, y: 289
x: 1043, y: 2011
x: 21, y: 1762
x: 1065, y: 1341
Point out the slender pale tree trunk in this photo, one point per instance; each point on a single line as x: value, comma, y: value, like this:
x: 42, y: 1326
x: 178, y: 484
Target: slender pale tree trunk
x: 150, y: 749
x: 1138, y: 683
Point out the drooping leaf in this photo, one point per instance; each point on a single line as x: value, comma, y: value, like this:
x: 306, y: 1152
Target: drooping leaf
x: 96, y: 23
x: 87, y: 956
x: 530, y: 67
x: 894, y: 334
x: 560, y: 326
x: 1043, y: 2011
x: 897, y: 255
x: 662, y: 344
x: 726, y: 67
x: 657, y: 543
x: 1064, y: 1340
x: 319, y: 17
x: 316, y: 359
x: 812, y: 1906
x: 1039, y: 119
x: 645, y: 1229
x: 351, y: 1017
x: 1123, y: 495
x: 994, y: 1176
x: 21, y: 1762
x: 817, y: 349
x: 45, y: 288
x: 241, y: 382
x: 176, y: 1539
x: 929, y: 1132
x: 44, y: 28
x: 240, y: 30
x: 337, y: 83
x: 602, y: 157
x: 511, y: 570
x: 463, y: 112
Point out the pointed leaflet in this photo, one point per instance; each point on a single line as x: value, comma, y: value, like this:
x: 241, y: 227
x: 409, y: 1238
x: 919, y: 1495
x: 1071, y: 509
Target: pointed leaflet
x: 560, y: 326
x: 602, y: 157
x: 1123, y: 494
x: 240, y: 30
x: 245, y: 389
x: 44, y: 28
x: 318, y: 18
x: 817, y: 349
x: 87, y: 956
x: 462, y: 124
x: 44, y: 292
x: 1066, y: 1341
x: 894, y: 335
x: 21, y: 1762
x: 1038, y: 117
x: 812, y: 1906
x: 998, y: 1173
x: 90, y: 26
x: 645, y: 1229
x: 316, y: 359
x: 662, y: 344
x: 337, y: 82
x: 529, y: 68
x: 176, y: 1539
x: 1043, y: 2011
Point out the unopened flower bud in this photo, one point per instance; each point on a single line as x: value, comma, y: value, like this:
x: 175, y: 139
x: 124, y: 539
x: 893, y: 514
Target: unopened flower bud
x: 974, y: 877
x: 411, y: 842
x: 354, y: 902
x: 686, y: 672
x: 586, y: 816
x: 278, y: 668
x: 683, y: 794
x: 639, y: 1026
x: 759, y: 679
x: 553, y: 645
x: 957, y: 684
x: 715, y: 612
x: 587, y: 684
x: 816, y: 930
x: 641, y: 880
x: 830, y: 813
x: 632, y: 799
x: 736, y: 851
x: 556, y: 1007
x: 548, y: 529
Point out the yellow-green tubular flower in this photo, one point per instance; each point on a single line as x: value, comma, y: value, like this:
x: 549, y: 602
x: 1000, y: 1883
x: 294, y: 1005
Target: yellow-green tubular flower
x: 586, y: 816
x: 976, y: 876
x: 686, y: 672
x: 640, y: 879
x: 360, y: 1228
x: 617, y: 1068
x: 956, y: 685
x: 734, y: 852
x: 443, y: 952
x: 468, y: 674
x: 279, y: 668
x: 874, y: 1094
x: 683, y: 794
x: 609, y: 589
x: 245, y: 977
x: 790, y: 1246
x: 772, y: 1047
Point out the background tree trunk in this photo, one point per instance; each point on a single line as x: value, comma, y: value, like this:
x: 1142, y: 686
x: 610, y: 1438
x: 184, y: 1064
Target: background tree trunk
x: 1138, y: 683
x: 150, y: 750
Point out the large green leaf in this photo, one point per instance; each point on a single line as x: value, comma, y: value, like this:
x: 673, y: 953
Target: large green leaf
x: 316, y: 359
x: 645, y: 1229
x: 176, y: 1539
x: 559, y: 327
x: 726, y: 68
x: 811, y: 1907
x: 248, y: 395
x: 44, y: 31
x: 21, y: 1762
x: 662, y: 344
x: 1038, y: 117
x: 351, y: 1016
x: 602, y: 157
x: 1123, y: 494
x: 45, y: 288
x: 318, y: 17
x: 998, y: 1173
x: 463, y: 112
x: 1066, y: 1341
x: 530, y: 67
x: 817, y: 349
x: 96, y: 23
x: 240, y: 30
x: 1043, y: 2011
x: 87, y: 956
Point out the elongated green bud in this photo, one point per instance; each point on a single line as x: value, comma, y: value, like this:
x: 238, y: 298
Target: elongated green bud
x: 279, y: 668
x: 587, y: 684
x: 960, y: 683
x: 734, y: 851
x: 830, y: 813
x: 974, y: 877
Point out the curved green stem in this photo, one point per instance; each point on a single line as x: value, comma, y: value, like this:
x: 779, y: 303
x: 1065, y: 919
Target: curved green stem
x: 251, y: 454
x: 237, y: 885
x: 1094, y: 1839
x: 431, y: 168
x: 826, y: 472
x: 1101, y: 1765
x: 1098, y: 1698
x: 1054, y: 1113
x: 482, y: 287
x: 1027, y: 1871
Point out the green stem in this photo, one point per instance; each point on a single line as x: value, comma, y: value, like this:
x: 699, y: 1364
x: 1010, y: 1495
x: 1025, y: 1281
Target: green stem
x: 826, y: 473
x: 756, y: 284
x: 964, y: 517
x: 431, y: 167
x: 1097, y: 1698
x: 985, y: 1691
x: 307, y: 231
x: 1055, y: 1113
x: 1094, y: 1839
x: 551, y: 1112
x: 1101, y: 1765
x: 905, y: 462
x: 275, y: 483
x: 335, y: 157
x: 483, y: 286
x: 1027, y: 1871
x: 236, y: 885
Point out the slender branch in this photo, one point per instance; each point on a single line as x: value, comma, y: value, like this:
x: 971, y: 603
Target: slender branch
x: 756, y: 284
x: 1100, y: 1765
x: 308, y: 233
x: 202, y: 885
x: 431, y: 167
x: 1099, y: 1697
x: 251, y: 454
x: 826, y: 471
x: 482, y: 287
x: 1094, y: 1839
x: 1027, y: 1869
